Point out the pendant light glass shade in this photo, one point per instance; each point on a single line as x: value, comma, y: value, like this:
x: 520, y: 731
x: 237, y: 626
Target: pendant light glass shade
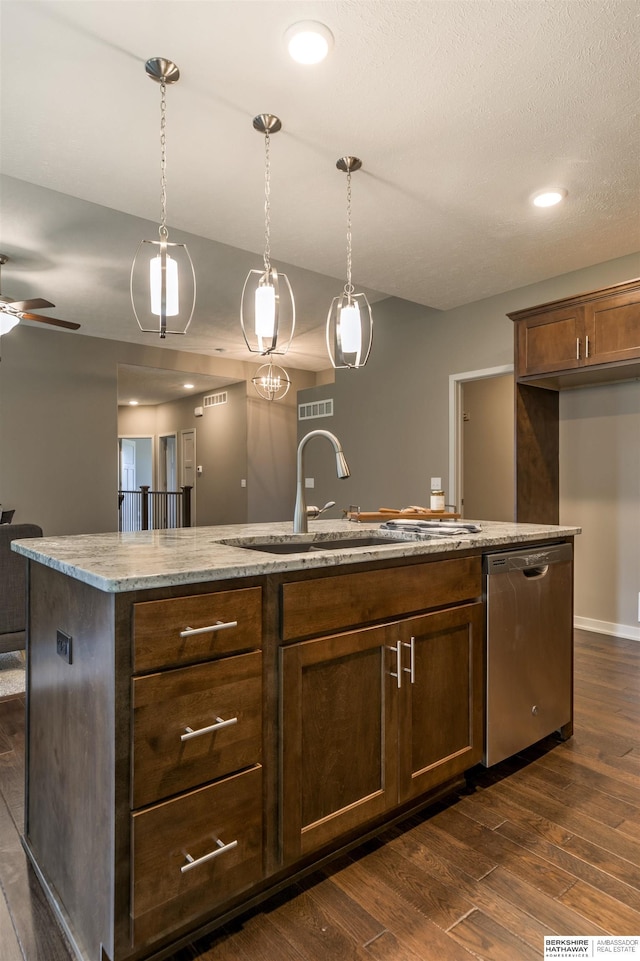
x: 267, y: 309
x: 349, y: 330
x: 163, y: 281
x: 349, y: 321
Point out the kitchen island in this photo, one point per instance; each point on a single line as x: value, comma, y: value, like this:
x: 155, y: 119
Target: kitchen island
x: 213, y: 711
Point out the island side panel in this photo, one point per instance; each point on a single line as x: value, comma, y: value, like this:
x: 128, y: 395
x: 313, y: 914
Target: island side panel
x: 70, y: 770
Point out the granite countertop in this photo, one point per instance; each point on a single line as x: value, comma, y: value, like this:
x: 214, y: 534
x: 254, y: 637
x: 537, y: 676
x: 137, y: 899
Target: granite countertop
x: 146, y: 559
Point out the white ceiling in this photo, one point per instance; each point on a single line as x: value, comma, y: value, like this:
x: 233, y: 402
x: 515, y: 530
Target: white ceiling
x: 459, y: 110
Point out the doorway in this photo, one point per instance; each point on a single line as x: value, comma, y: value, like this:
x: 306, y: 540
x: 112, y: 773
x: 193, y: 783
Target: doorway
x: 481, y: 443
x: 188, y: 466
x: 167, y: 462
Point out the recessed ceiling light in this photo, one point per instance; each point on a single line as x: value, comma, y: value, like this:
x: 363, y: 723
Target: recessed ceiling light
x: 549, y: 197
x: 133, y: 403
x: 308, y: 42
x: 188, y: 386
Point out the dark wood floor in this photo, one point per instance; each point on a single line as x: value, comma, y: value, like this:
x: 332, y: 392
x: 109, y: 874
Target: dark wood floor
x: 546, y: 843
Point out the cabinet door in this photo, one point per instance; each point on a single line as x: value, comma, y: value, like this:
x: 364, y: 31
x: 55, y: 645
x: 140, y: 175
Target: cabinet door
x: 613, y: 329
x: 440, y: 719
x: 339, y: 736
x: 550, y: 342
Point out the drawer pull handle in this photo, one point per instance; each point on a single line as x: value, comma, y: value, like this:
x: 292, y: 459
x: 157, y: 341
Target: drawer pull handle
x: 194, y: 862
x: 218, y: 626
x: 586, y: 351
x: 220, y: 723
x: 411, y: 670
x: 397, y: 650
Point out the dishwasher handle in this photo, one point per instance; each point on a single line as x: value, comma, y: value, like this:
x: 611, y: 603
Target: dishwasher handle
x: 535, y: 573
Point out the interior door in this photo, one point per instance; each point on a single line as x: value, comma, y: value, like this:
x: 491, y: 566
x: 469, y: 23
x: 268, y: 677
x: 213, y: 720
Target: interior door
x: 127, y: 464
x: 488, y: 449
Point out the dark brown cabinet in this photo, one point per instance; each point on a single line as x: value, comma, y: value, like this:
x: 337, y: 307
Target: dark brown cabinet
x: 441, y: 698
x: 376, y: 717
x: 589, y: 339
x: 201, y: 747
x: 197, y: 726
x: 579, y: 333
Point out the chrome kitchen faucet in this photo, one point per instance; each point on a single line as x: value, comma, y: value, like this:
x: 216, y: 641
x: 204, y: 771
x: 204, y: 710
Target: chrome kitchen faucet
x: 300, y: 520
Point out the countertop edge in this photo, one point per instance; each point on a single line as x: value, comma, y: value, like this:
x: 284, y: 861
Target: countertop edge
x: 86, y: 557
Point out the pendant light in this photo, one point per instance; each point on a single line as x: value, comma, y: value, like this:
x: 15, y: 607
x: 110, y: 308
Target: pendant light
x: 271, y: 382
x: 349, y: 321
x: 267, y: 310
x: 163, y: 282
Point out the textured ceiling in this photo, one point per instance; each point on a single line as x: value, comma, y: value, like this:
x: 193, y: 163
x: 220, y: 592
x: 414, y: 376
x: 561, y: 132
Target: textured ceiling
x: 459, y: 109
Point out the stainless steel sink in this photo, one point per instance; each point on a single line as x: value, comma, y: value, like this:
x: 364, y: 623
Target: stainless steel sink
x: 302, y: 544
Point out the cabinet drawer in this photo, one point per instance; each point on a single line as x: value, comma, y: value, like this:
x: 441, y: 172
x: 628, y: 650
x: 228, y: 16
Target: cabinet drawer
x: 230, y: 621
x: 223, y: 820
x: 224, y: 694
x: 321, y: 605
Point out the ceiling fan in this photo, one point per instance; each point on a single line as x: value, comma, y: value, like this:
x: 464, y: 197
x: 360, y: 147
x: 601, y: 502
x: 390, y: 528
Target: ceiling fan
x: 13, y: 311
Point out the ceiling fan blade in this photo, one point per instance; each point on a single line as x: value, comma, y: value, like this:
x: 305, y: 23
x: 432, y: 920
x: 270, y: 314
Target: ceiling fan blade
x: 50, y: 320
x: 36, y: 304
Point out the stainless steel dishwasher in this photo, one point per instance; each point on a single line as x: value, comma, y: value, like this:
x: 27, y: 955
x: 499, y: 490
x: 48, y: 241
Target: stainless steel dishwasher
x: 529, y: 603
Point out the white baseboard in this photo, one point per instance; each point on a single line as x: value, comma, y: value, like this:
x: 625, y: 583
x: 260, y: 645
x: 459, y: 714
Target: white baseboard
x: 606, y: 627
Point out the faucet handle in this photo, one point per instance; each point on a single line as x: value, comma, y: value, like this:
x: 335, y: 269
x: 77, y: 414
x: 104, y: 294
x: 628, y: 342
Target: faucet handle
x: 314, y: 512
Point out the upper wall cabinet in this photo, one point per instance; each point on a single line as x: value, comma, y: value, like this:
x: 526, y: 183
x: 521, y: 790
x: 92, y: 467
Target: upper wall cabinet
x: 587, y: 339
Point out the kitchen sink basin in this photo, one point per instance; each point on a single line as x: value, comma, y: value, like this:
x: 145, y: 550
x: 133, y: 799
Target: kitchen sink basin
x: 302, y: 544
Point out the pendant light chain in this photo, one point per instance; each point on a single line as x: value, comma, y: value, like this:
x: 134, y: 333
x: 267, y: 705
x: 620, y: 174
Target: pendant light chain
x: 164, y: 233
x: 267, y: 201
x: 348, y: 287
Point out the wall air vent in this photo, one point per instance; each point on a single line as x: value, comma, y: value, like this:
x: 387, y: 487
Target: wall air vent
x: 317, y: 408
x: 214, y: 400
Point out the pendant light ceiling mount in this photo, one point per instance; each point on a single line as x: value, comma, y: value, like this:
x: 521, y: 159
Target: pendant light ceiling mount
x: 162, y: 70
x: 267, y: 308
x: 163, y: 282
x: 349, y: 321
x: 349, y: 164
x: 267, y: 123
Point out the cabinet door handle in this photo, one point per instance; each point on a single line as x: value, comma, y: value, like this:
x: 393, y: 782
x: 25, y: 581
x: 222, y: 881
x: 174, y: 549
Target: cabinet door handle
x: 220, y: 723
x: 218, y: 626
x: 411, y: 670
x: 586, y: 340
x: 194, y: 862
x: 397, y: 650
x: 577, y: 348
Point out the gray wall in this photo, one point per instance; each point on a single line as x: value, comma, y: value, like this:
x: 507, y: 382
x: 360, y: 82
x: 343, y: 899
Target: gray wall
x: 600, y: 491
x: 392, y: 420
x: 59, y: 428
x: 221, y: 449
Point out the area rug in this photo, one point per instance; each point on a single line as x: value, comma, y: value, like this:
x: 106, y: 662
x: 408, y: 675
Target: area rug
x: 12, y: 673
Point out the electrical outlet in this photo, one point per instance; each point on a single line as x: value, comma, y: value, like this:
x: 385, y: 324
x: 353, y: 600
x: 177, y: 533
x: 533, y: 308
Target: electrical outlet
x: 63, y: 646
x: 309, y: 483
